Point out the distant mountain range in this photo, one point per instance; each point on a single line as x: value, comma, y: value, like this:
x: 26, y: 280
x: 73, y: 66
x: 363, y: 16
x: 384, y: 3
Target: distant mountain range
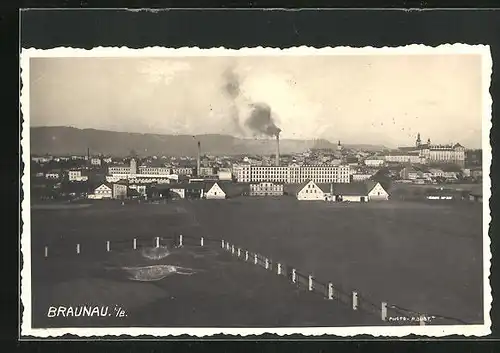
x: 69, y: 140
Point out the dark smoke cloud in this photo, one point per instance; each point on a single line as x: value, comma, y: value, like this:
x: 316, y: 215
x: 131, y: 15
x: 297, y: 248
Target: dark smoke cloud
x: 261, y: 121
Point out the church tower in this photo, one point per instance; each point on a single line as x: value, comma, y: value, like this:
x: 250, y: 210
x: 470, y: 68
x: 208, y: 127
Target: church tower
x: 419, y: 141
x: 339, y: 146
x: 133, y: 167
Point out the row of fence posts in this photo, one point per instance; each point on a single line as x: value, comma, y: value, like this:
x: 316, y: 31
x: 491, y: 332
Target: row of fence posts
x: 134, y: 245
x: 229, y: 247
x: 331, y: 291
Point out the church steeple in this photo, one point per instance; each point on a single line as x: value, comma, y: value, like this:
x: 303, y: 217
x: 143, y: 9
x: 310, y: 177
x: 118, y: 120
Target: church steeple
x: 419, y: 141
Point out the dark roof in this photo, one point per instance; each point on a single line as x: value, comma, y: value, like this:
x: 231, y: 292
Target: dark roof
x: 230, y: 188
x: 188, y: 186
x: 325, y: 187
x: 351, y: 189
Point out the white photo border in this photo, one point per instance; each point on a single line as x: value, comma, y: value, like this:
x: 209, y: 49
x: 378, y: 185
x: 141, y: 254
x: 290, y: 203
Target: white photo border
x: 376, y: 331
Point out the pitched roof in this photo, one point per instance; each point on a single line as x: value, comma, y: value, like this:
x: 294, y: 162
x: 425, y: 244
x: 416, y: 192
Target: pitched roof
x: 230, y: 188
x: 350, y: 189
x: 325, y: 187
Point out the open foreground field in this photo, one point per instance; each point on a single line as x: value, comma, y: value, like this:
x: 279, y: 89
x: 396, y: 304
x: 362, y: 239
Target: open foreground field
x: 419, y: 256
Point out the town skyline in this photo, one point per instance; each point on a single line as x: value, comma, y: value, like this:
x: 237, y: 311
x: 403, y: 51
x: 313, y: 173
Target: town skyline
x: 377, y: 100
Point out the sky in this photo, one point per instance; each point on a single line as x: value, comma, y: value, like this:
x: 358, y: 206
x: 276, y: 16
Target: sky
x: 374, y: 99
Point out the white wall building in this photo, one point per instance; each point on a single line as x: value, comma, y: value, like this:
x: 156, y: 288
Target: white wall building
x: 293, y: 174
x: 266, y: 189
x: 361, y: 177
x: 103, y: 191
x: 76, y: 176
x: 95, y: 161
x: 215, y: 192
x: 374, y: 162
x: 310, y: 191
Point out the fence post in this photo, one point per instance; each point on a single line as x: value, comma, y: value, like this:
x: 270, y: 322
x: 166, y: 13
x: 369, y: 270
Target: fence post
x: 157, y: 242
x: 294, y: 276
x: 108, y: 246
x: 246, y: 255
x: 135, y: 243
x: 354, y: 300
x: 222, y: 243
x: 421, y: 320
x: 180, y: 240
x: 239, y: 252
x: 279, y: 268
x: 310, y: 282
x: 384, y: 311
x: 77, y: 248
x: 201, y: 241
x: 46, y: 251
x: 255, y: 259
x: 330, y: 291
x: 227, y: 246
x: 232, y: 249
x: 267, y: 263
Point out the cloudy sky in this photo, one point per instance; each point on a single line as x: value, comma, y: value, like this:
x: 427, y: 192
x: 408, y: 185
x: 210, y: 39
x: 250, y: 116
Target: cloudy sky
x: 383, y: 99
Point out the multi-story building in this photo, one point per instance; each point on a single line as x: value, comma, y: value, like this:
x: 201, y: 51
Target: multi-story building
x: 293, y: 174
x: 76, y: 175
x: 405, y: 157
x: 206, y: 171
x: 95, y: 161
x: 266, y: 189
x: 154, y: 170
x: 454, y: 154
x: 182, y: 171
x: 374, y: 162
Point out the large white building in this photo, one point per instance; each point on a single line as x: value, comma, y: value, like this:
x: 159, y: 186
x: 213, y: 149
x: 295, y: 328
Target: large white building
x: 142, y: 174
x: 266, y: 189
x: 293, y: 174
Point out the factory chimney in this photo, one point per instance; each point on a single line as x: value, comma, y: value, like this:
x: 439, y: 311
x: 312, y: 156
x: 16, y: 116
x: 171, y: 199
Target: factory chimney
x: 277, y: 149
x: 198, y: 159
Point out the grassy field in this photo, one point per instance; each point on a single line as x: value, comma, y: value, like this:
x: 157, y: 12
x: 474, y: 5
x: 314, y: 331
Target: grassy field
x: 426, y: 257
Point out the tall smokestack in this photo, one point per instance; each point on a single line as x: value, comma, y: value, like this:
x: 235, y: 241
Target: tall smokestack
x: 277, y: 149
x: 198, y: 159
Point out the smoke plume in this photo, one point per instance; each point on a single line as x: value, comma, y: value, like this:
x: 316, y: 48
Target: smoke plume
x: 260, y: 120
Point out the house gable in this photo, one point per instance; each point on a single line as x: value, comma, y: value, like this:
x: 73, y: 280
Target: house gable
x: 215, y: 190
x: 310, y: 191
x: 377, y: 191
x: 103, y: 188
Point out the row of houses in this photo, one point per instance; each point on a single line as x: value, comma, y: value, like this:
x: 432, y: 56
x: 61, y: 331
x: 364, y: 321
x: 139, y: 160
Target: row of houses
x: 307, y: 191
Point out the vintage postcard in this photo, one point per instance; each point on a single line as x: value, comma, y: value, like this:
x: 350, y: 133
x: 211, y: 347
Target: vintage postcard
x: 315, y: 191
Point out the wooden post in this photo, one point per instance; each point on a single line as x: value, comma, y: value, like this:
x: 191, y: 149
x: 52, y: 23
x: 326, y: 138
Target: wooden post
x: 294, y: 276
x: 201, y: 241
x: 310, y: 282
x: 330, y: 291
x: 46, y: 251
x: 157, y: 242
x: 384, y: 311
x: 255, y: 259
x: 267, y: 264
x: 222, y: 243
x: 246, y: 255
x: 232, y: 249
x: 227, y: 246
x: 279, y: 268
x: 77, y: 248
x: 354, y: 300
x: 108, y: 246
x: 135, y: 243
x: 239, y: 252
x: 180, y: 240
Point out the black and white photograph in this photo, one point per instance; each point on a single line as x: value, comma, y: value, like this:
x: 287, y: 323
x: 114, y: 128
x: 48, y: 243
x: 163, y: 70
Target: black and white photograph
x: 310, y: 191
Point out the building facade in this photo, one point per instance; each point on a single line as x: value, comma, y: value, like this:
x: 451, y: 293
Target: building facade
x: 453, y: 154
x: 76, y: 175
x: 293, y: 174
x: 266, y: 189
